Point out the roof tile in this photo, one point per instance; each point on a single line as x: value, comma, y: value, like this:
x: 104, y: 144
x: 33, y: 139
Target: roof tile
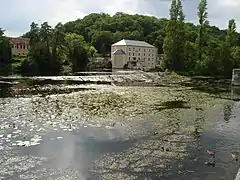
x: 19, y: 40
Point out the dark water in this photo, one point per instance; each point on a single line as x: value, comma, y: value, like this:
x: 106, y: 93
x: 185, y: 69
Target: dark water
x: 223, y: 137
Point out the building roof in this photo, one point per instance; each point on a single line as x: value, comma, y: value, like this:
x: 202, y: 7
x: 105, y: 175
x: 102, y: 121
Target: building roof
x: 118, y: 51
x: 19, y: 40
x: 125, y: 42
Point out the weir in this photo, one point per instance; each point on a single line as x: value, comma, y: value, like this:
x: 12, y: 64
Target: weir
x: 236, y: 77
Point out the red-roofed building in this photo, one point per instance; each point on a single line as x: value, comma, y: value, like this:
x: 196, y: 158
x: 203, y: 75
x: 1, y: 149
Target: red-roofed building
x: 19, y: 46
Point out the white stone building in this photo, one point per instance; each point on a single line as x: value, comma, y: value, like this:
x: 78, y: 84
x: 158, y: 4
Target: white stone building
x: 133, y: 54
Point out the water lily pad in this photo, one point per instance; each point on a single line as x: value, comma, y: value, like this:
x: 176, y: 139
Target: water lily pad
x: 9, y: 135
x: 16, y: 132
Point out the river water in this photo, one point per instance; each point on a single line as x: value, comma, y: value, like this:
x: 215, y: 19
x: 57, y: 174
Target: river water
x: 73, y: 148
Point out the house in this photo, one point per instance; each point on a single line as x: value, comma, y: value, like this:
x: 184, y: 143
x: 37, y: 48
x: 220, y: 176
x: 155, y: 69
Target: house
x: 133, y: 54
x: 19, y: 46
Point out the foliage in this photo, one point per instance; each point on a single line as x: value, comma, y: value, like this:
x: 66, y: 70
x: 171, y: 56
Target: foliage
x: 190, y: 49
x: 174, y: 41
x: 5, y: 54
x: 53, y: 52
x: 201, y: 39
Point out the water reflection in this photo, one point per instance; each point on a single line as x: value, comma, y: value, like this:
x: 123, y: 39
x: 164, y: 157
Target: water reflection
x: 227, y: 111
x: 5, y: 89
x: 171, y: 105
x: 235, y: 92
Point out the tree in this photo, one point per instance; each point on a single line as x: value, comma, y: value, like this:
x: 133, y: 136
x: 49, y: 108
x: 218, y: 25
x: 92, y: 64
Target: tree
x: 174, y: 41
x: 33, y: 34
x: 202, y: 16
x: 230, y: 39
x: 77, y: 53
x: 43, y: 56
x: 236, y: 56
x: 203, y: 49
x: 227, y: 46
x: 102, y: 41
x: 5, y: 53
x: 190, y: 56
x: 1, y: 32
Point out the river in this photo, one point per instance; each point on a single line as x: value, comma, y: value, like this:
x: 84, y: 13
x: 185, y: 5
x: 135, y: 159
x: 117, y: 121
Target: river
x: 74, y: 131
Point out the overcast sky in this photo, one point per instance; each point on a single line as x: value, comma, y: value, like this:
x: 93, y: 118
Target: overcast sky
x: 17, y: 15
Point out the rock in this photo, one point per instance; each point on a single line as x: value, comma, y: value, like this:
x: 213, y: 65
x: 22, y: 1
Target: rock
x: 210, y: 163
x: 234, y: 156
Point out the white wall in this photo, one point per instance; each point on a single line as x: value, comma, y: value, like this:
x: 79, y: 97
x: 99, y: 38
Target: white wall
x: 146, y: 56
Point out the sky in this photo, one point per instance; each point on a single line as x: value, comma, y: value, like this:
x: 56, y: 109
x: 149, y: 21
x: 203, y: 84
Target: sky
x: 17, y: 15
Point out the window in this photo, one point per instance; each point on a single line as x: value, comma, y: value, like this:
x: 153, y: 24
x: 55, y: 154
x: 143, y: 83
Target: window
x: 144, y: 50
x: 144, y: 54
x: 129, y: 58
x: 133, y: 54
x: 139, y: 49
x: 24, y: 47
x: 129, y: 49
x: 139, y: 54
x: 149, y: 50
x: 133, y: 48
x: 129, y: 54
x: 12, y: 45
x: 138, y: 58
x: 152, y: 54
x: 134, y: 58
x: 149, y: 59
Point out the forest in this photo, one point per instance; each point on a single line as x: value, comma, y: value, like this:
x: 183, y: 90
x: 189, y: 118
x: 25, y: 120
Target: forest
x: 189, y: 49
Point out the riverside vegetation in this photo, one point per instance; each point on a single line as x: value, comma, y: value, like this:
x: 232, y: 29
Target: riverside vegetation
x: 189, y: 49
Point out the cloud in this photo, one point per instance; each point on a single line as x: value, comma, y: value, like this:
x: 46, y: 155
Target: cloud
x: 16, y: 15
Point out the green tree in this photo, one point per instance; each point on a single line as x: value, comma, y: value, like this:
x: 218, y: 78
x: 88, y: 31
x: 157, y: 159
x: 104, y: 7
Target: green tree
x: 174, y: 41
x: 44, y: 55
x: 201, y: 39
x: 77, y: 51
x: 201, y: 49
x: 230, y: 37
x: 102, y: 41
x: 190, y: 57
x: 5, y: 53
x: 236, y: 56
x: 227, y: 46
